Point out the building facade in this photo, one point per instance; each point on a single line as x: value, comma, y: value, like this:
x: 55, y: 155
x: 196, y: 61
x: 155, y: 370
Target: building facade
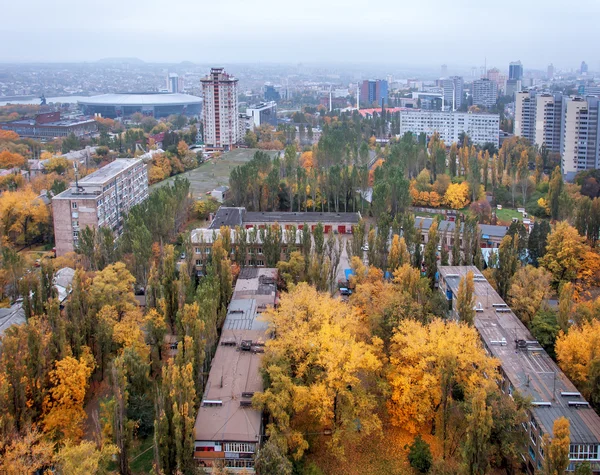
x: 481, y: 128
x: 98, y: 200
x: 515, y: 70
x: 263, y: 113
x: 485, y: 93
x: 221, y: 116
x: 453, y: 91
x: 374, y: 91
x: 581, y: 140
x: 526, y: 368
x: 50, y: 125
x: 525, y: 115
x: 548, y: 121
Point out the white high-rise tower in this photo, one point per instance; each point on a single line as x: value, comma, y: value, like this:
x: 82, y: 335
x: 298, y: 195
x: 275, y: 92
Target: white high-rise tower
x: 221, y: 118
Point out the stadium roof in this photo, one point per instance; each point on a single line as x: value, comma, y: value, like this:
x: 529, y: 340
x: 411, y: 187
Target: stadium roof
x: 141, y: 99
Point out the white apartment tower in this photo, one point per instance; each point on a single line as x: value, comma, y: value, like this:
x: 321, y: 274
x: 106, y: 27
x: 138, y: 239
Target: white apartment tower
x: 525, y: 115
x: 548, y: 121
x: 581, y: 144
x: 221, y: 117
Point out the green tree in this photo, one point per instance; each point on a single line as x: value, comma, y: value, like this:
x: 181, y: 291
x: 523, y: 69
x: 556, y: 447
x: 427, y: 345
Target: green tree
x: 465, y: 299
x: 508, y: 262
x: 272, y: 460
x: 419, y: 455
x: 554, y: 192
x: 479, y: 427
x: 431, y: 253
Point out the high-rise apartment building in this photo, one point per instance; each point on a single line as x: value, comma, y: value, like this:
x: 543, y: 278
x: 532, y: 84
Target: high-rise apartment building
x: 581, y: 139
x: 453, y: 90
x: 98, y: 200
x: 481, y: 128
x: 584, y: 68
x: 485, y: 93
x: 444, y: 70
x: 550, y: 73
x: 539, y: 118
x: 374, y: 91
x: 524, y: 125
x: 221, y: 117
x: 548, y: 121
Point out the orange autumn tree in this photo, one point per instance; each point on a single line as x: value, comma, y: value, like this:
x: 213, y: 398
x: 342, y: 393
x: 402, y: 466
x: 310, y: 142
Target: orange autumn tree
x: 63, y: 407
x: 11, y: 160
x: 8, y: 135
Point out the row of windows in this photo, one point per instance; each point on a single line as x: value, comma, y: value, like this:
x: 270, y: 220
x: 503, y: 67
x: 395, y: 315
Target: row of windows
x: 583, y: 451
x: 239, y: 447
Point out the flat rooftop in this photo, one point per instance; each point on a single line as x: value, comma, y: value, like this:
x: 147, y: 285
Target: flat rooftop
x: 528, y: 368
x: 487, y: 230
x: 225, y: 413
x: 110, y: 171
x: 58, y: 123
x: 300, y: 217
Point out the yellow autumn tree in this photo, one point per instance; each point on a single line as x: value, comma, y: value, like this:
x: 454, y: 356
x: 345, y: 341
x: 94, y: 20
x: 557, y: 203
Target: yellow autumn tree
x: 426, y: 361
x: 63, y: 407
x: 320, y: 365
x: 578, y: 355
x: 399, y: 254
x: 564, y: 253
x: 457, y: 195
x: 114, y: 286
x: 556, y: 448
x: 84, y: 458
x: 22, y: 215
x: 530, y: 287
x: 26, y: 454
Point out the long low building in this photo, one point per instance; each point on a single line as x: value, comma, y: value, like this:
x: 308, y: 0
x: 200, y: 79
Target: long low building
x: 50, y: 125
x: 527, y: 368
x: 481, y: 128
x: 342, y: 223
x: 227, y: 428
x: 491, y: 235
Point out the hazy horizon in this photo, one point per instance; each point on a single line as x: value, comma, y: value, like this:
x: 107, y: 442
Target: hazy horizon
x: 458, y: 33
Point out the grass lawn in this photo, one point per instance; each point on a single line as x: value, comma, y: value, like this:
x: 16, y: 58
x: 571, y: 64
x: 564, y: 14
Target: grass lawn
x: 506, y: 215
x: 214, y: 172
x: 142, y: 457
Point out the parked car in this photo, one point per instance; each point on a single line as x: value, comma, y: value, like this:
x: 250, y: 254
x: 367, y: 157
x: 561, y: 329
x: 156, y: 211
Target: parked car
x: 345, y: 291
x: 365, y: 247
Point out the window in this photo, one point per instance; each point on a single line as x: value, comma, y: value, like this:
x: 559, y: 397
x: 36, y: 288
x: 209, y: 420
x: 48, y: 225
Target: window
x: 260, y: 263
x: 259, y: 250
x: 531, y: 453
x: 74, y: 205
x: 198, y: 250
x: 198, y: 262
x: 583, y: 451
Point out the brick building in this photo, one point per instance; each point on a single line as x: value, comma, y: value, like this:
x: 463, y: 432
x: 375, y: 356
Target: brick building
x: 99, y: 199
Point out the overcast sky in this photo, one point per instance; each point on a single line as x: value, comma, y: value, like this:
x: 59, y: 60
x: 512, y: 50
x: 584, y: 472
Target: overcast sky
x: 417, y: 32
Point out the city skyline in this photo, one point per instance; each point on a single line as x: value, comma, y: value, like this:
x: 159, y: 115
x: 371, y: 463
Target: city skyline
x: 435, y: 34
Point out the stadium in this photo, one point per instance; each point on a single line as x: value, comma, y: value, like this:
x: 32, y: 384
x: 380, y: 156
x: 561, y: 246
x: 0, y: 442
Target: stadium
x: 154, y: 104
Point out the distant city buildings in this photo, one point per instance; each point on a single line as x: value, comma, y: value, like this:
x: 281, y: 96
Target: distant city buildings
x: 270, y: 93
x: 550, y: 73
x: 481, y: 128
x: 263, y: 113
x: 515, y: 77
x: 174, y: 83
x: 453, y: 91
x: 444, y: 70
x: 374, y: 91
x: 221, y: 116
x: 98, y: 200
x: 431, y: 101
x: 584, y: 68
x: 485, y: 93
x: 515, y: 70
x: 50, y: 125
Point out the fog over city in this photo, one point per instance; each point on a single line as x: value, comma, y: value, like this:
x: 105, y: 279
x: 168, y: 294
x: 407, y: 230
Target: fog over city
x: 460, y: 33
